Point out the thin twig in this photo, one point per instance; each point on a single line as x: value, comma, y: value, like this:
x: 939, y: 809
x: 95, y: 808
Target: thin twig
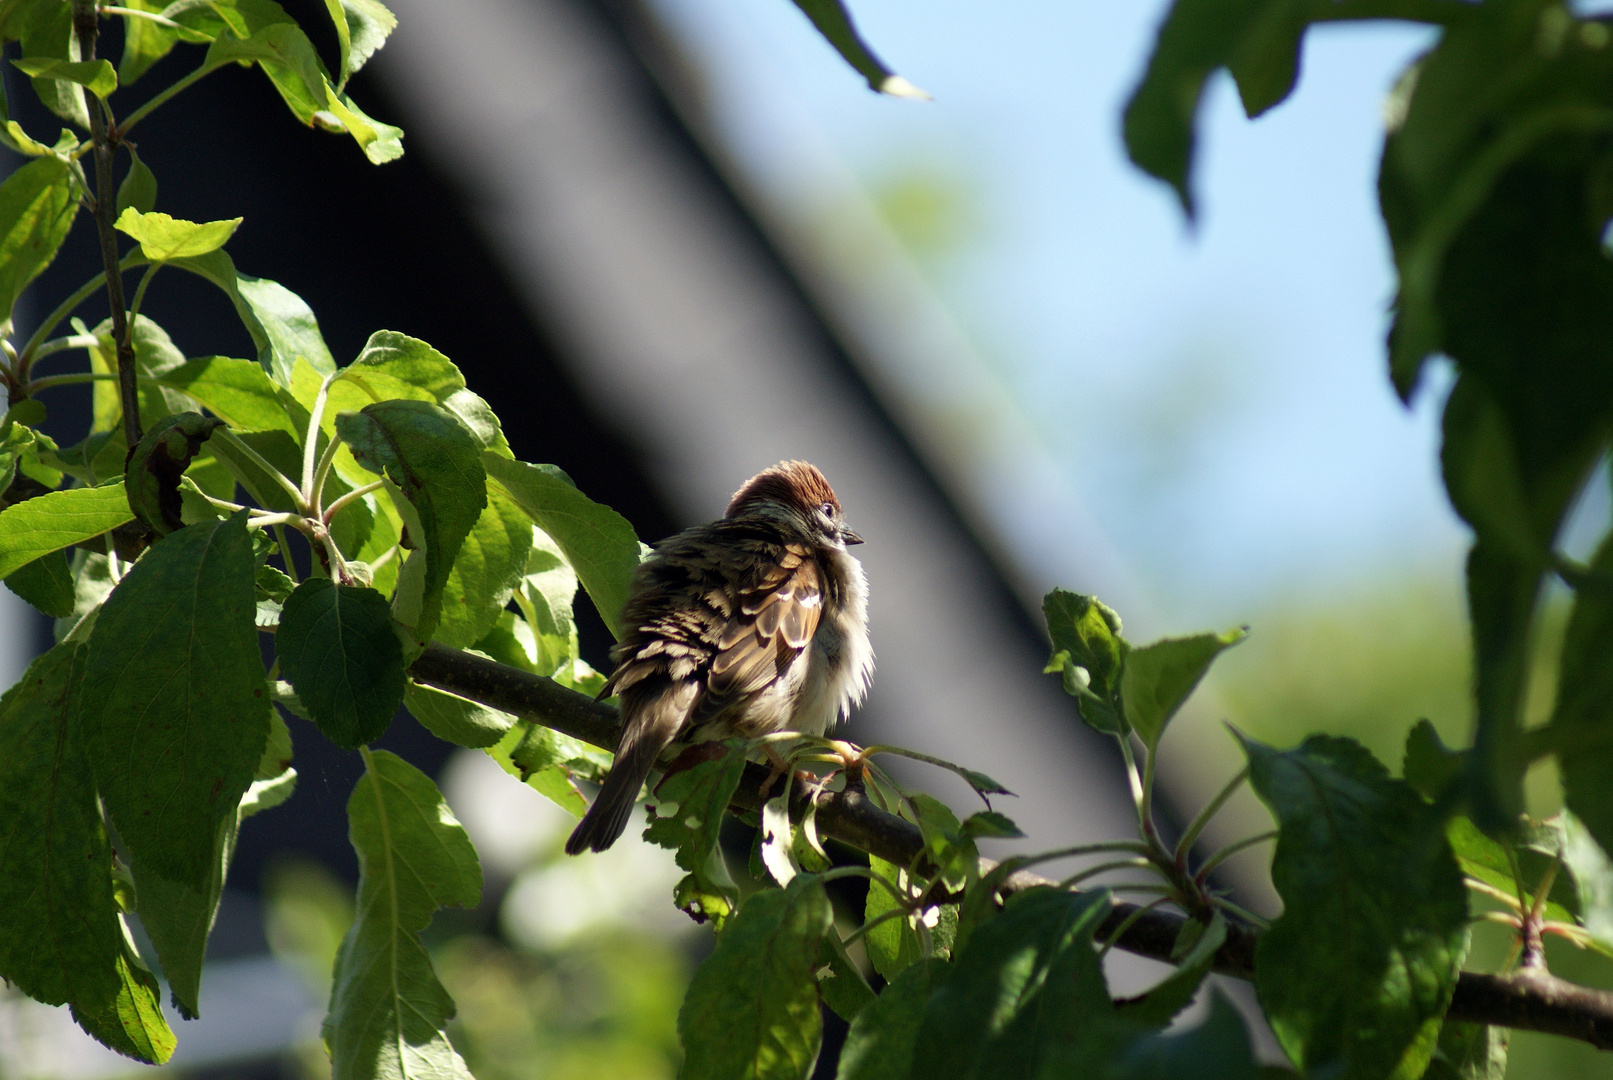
x: 1202, y: 819
x: 1230, y: 850
x: 151, y: 106
x: 86, y: 24
x: 263, y: 463
x: 156, y: 17
x: 352, y: 496
x: 1526, y: 1000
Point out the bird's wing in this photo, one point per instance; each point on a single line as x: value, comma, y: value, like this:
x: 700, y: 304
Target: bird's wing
x: 773, y: 618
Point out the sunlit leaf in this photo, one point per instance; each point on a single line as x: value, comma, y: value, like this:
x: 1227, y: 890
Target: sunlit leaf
x: 598, y: 542
x: 37, y: 206
x: 96, y: 76
x: 58, y: 519
x: 427, y: 453
x: 1159, y: 677
x: 162, y: 237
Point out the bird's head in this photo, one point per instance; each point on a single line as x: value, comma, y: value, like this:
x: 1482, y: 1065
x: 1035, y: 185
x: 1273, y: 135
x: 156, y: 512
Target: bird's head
x: 795, y: 489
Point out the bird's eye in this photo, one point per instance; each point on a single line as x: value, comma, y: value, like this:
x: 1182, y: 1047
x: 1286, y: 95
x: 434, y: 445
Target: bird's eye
x: 828, y: 509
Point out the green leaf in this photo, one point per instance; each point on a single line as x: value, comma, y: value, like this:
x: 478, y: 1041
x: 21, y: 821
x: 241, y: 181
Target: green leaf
x: 280, y: 450
x: 238, y: 392
x: 1089, y: 651
x: 1089, y: 631
x: 1488, y: 186
x: 96, y: 76
x: 1257, y: 39
x: 37, y: 207
x: 491, y: 563
x: 176, y: 708
x: 1356, y: 974
x: 47, y: 31
x: 393, y: 365
x: 1536, y: 849
x: 132, y: 1022
x: 286, y: 56
x: 58, y: 926
x: 1501, y: 596
x: 893, y: 945
x: 455, y: 719
x: 162, y: 237
x: 138, y: 191
x: 387, y: 1009
x: 880, y: 1042
x: 777, y: 841
x: 1429, y: 765
x: 751, y: 1012
x: 268, y: 794
x: 1176, y: 991
x: 56, y: 520
x: 1482, y: 475
x: 46, y: 583
x: 1586, y: 862
x: 547, y: 761
x: 1493, y: 191
x: 206, y: 20
x: 989, y: 823
x: 433, y: 460
x: 362, y: 27
x: 690, y: 807
x: 1158, y: 678
x: 598, y: 542
x: 276, y: 759
x: 282, y: 325
x: 144, y: 43
x: 92, y: 582
x: 1217, y: 1049
x: 151, y: 478
x: 290, y: 61
x: 380, y: 142
x: 951, y: 850
x: 60, y: 935
x: 178, y: 916
x: 1021, y: 991
x: 546, y: 595
x: 1469, y: 1052
x: 154, y: 354
x: 834, y: 23
x: 1584, y: 711
x: 840, y: 981
x: 339, y: 649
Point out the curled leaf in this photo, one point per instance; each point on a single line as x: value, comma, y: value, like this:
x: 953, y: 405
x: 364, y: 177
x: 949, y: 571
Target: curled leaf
x: 151, y: 477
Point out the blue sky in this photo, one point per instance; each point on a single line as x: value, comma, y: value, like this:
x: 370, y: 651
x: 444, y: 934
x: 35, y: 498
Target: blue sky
x: 1216, y: 396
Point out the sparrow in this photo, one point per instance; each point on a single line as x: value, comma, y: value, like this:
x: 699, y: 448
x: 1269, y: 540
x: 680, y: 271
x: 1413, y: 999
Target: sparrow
x: 749, y: 625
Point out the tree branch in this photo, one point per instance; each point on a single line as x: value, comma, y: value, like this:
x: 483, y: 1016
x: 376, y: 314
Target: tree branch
x: 86, y: 24
x: 1529, y: 1000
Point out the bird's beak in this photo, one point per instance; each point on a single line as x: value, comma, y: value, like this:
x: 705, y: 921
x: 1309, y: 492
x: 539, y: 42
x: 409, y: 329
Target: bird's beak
x: 848, y: 537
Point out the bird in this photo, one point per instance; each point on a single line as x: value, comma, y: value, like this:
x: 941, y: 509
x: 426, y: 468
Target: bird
x: 748, y: 625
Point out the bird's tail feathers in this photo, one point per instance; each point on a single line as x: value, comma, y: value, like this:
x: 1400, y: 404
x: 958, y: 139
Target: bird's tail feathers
x: 649, y: 729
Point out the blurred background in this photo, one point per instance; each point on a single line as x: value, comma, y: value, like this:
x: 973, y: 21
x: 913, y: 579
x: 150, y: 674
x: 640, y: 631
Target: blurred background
x: 675, y: 240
